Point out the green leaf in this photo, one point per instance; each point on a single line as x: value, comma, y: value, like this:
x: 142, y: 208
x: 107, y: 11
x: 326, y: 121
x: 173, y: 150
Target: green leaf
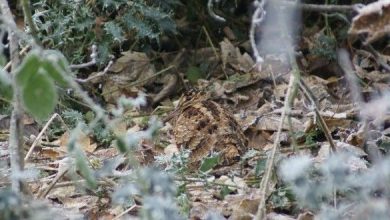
x: 209, y: 162
x: 121, y: 145
x: 114, y: 30
x: 86, y: 172
x: 39, y: 96
x: 56, y: 66
x: 28, y: 68
x: 194, y: 73
x: 3, y: 60
x: 224, y: 192
x: 6, y: 90
x: 260, y: 167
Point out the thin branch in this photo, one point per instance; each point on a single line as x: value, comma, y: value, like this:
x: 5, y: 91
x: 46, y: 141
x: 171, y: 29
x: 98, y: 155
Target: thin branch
x: 38, y: 138
x: 16, y: 126
x: 125, y: 212
x: 90, y: 63
x: 260, y: 215
x: 210, y: 8
x: 257, y: 18
x: 100, y: 74
x: 22, y: 51
x: 309, y: 95
x: 328, y: 8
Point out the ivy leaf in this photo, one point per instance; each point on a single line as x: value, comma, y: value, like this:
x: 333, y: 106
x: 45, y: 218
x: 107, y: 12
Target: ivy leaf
x: 6, y: 91
x: 39, y: 95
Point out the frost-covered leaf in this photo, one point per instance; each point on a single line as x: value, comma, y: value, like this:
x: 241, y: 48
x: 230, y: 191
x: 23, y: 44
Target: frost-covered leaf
x: 39, y: 95
x: 113, y: 29
x: 28, y: 68
x: 56, y: 66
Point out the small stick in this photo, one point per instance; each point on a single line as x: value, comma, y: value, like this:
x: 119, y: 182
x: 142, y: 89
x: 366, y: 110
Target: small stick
x: 24, y: 50
x: 309, y: 95
x: 125, y: 212
x: 97, y: 75
x: 260, y: 215
x: 38, y: 138
x: 60, y: 174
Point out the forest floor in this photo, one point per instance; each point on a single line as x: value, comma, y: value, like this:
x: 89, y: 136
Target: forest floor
x: 296, y: 138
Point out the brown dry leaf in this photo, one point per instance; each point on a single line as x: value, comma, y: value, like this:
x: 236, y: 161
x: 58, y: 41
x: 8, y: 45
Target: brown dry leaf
x: 373, y: 20
x: 337, y: 123
x: 106, y: 153
x: 51, y: 153
x: 231, y: 55
x: 306, y: 216
x: 80, y: 202
x: 271, y: 123
x: 84, y: 141
x: 131, y: 68
x: 171, y: 149
x: 233, y: 183
x: 238, y: 81
x: 60, y: 193
x: 252, y: 116
x: 30, y: 126
x: 258, y: 139
x: 245, y: 209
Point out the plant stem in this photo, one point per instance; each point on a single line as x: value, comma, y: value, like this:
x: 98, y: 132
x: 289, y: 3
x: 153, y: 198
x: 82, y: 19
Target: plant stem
x: 28, y: 19
x: 16, y: 126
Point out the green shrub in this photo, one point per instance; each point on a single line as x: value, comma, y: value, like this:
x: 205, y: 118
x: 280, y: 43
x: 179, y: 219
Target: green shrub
x: 74, y: 26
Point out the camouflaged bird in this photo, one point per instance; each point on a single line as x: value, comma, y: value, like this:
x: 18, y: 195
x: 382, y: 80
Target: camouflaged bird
x: 204, y: 126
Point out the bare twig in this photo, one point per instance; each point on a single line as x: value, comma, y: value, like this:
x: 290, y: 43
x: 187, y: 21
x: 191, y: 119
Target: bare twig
x: 104, y: 72
x: 24, y: 50
x: 328, y: 8
x: 260, y: 215
x: 38, y: 138
x: 59, y: 175
x: 257, y: 18
x: 125, y: 212
x: 88, y: 64
x: 309, y: 95
x: 210, y: 8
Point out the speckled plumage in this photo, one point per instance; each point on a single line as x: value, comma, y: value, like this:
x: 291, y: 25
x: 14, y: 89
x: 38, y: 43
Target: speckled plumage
x: 203, y: 126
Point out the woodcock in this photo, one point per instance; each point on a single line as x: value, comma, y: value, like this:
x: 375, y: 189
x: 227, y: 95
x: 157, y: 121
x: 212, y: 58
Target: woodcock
x: 204, y: 126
